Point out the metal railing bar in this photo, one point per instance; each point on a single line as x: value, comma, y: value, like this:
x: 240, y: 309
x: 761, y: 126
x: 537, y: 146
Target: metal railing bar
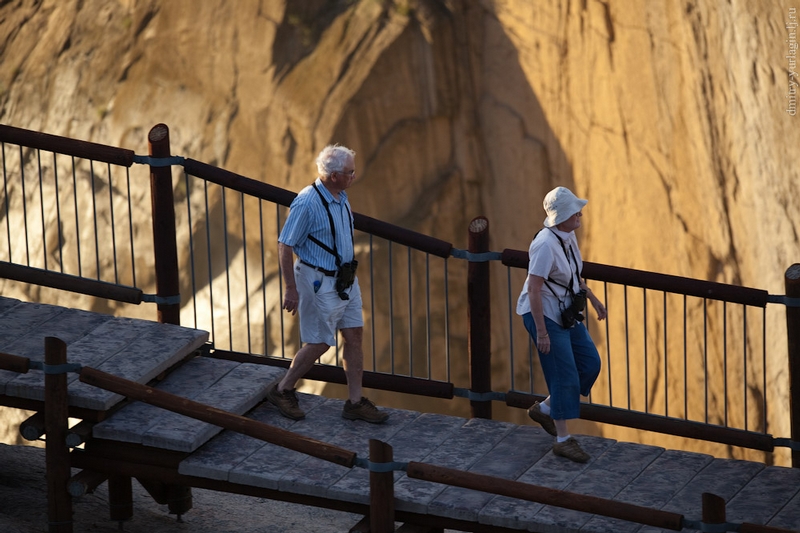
x: 725, y: 361
x: 627, y: 345
x: 666, y: 359
x: 227, y: 267
x: 263, y: 276
x: 646, y: 362
x: 410, y: 314
x: 447, y: 319
x: 764, y: 368
x: 391, y: 309
x: 655, y: 281
x: 705, y: 355
x: 509, y: 295
x: 283, y: 197
x: 428, y: 339
x: 208, y: 258
x: 66, y: 146
x: 372, y: 300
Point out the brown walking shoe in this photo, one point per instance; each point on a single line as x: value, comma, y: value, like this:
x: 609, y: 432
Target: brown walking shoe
x: 364, y: 410
x: 571, y: 450
x: 286, y: 402
x: 536, y: 414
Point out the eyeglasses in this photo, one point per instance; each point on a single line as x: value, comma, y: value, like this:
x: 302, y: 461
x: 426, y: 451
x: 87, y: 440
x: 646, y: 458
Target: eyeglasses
x: 350, y: 173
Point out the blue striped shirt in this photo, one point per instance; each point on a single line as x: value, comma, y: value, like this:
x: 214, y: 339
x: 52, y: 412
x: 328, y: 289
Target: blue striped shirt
x: 308, y: 216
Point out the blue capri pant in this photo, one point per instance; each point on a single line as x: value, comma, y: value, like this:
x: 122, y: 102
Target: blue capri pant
x: 571, y: 367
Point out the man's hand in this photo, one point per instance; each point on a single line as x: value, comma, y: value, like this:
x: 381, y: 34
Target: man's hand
x: 291, y: 299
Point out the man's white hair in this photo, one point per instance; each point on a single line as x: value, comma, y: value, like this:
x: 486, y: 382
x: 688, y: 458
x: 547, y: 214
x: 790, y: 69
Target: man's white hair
x: 333, y: 158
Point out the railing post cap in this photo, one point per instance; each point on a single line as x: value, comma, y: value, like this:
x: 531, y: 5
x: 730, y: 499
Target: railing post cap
x: 158, y: 133
x: 793, y: 272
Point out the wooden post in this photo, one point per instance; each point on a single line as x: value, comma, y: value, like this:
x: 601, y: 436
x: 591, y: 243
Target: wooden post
x: 120, y: 498
x: 59, y: 502
x: 793, y: 333
x: 381, y: 490
x: 713, y: 509
x: 164, y: 241
x: 479, y: 314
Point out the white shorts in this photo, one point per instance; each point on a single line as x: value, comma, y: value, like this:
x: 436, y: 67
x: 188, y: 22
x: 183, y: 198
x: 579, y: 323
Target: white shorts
x: 323, y: 312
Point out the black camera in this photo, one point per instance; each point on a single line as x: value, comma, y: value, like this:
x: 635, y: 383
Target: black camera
x: 573, y: 313
x: 345, y: 278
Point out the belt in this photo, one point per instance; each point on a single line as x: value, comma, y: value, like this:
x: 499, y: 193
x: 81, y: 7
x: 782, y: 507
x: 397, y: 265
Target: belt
x: 331, y: 273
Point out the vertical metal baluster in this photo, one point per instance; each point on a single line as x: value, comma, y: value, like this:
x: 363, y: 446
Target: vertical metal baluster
x: 666, y: 365
x: 646, y: 362
x: 428, y: 354
x: 263, y: 275
x: 24, y: 206
x: 725, y: 361
x: 608, y: 348
x: 705, y: 354
x: 113, y: 225
x: 764, y: 366
x: 77, y: 217
x: 627, y: 346
x: 280, y: 286
x: 246, y: 285
x: 5, y: 199
x: 744, y: 368
x: 94, y: 217
x: 208, y: 259
x: 227, y: 265
x: 192, y: 268
x: 130, y: 229
x: 41, y: 206
x: 510, y: 325
x: 391, y: 310
x: 372, y: 300
x: 447, y: 319
x: 58, y: 216
x: 410, y: 315
x: 685, y: 362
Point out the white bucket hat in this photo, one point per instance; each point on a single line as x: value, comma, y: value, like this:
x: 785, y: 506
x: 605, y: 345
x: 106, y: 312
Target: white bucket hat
x: 560, y: 204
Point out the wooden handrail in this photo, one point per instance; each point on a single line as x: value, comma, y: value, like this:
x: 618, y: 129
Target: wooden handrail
x: 218, y: 417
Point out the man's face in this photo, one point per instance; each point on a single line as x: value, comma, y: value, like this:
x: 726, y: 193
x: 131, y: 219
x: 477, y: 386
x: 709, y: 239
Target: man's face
x: 347, y: 175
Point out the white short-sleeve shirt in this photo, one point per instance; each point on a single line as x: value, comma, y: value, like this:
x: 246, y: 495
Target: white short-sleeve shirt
x: 546, y: 259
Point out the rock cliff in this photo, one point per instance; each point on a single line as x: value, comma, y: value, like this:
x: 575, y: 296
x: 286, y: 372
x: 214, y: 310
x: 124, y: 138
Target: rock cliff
x: 673, y: 118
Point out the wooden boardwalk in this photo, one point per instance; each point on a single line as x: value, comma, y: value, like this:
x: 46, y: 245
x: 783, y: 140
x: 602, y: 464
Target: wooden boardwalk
x: 140, y: 350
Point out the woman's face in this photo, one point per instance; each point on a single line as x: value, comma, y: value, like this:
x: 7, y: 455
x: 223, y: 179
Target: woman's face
x: 572, y: 223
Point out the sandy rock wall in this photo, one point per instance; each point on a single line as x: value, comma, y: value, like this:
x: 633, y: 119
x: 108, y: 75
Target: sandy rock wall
x: 670, y: 117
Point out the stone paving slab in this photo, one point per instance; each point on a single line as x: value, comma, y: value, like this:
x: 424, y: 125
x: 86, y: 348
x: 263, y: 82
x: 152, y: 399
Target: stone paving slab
x: 768, y: 495
x: 416, y: 440
x: 549, y: 471
x: 236, y: 392
x: 605, y: 477
x: 216, y: 458
x: 138, y: 350
x: 654, y: 487
x: 460, y: 450
x: 723, y: 477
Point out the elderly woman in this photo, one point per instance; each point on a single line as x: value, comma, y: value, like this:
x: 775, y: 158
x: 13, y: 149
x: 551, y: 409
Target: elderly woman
x: 550, y: 303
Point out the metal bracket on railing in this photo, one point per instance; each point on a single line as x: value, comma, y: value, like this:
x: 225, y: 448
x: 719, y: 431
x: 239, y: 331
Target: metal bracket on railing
x: 163, y: 300
x: 782, y: 299
x: 479, y: 396
x: 55, y: 369
x: 159, y: 161
x: 380, y: 467
x: 787, y: 443
x: 476, y: 257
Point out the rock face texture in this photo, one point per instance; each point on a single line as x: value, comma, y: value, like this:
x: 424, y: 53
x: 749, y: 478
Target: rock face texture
x: 673, y: 118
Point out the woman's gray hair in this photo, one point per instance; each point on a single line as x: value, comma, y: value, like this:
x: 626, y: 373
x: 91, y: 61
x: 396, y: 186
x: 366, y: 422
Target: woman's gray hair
x: 333, y: 158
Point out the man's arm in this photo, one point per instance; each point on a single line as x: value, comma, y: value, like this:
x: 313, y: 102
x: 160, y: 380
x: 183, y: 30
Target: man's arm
x: 286, y: 258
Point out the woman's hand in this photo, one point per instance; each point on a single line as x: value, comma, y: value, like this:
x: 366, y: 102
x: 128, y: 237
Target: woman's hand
x: 543, y: 343
x: 602, y: 313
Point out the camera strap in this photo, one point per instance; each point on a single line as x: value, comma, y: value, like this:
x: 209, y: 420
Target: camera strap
x: 569, y: 288
x: 321, y: 244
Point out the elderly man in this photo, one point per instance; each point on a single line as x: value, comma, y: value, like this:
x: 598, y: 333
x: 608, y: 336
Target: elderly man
x: 321, y: 285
